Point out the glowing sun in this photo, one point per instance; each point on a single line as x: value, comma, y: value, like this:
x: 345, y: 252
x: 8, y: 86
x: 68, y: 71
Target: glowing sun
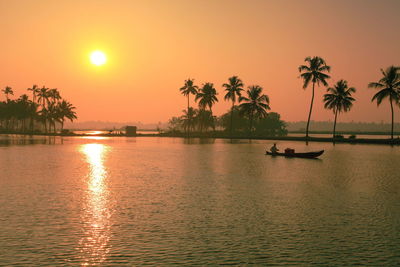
x: 98, y: 58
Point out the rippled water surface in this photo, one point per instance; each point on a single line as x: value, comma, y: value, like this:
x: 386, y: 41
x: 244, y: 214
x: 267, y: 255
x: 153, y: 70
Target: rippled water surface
x: 160, y: 201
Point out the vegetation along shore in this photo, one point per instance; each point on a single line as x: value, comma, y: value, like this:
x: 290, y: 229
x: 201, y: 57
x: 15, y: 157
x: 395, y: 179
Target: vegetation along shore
x: 250, y: 115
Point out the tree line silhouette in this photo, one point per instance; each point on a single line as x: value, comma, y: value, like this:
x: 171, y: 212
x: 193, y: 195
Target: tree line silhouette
x: 250, y: 116
x: 38, y: 114
x: 339, y: 97
x: 253, y: 107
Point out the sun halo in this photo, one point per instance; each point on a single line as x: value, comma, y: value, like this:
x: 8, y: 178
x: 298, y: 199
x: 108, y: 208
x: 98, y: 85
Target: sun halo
x: 98, y: 58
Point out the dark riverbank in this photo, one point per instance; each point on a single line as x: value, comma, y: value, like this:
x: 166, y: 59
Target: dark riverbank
x: 221, y: 135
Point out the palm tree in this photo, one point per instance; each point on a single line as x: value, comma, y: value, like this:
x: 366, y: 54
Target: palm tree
x: 8, y: 91
x: 207, y: 95
x: 339, y: 99
x: 35, y: 90
x: 65, y: 111
x: 390, y: 87
x: 313, y: 72
x: 54, y: 94
x: 188, y: 118
x: 233, y: 88
x: 204, y: 120
x: 188, y: 89
x: 43, y: 96
x: 255, y: 104
x: 22, y: 111
x: 43, y: 116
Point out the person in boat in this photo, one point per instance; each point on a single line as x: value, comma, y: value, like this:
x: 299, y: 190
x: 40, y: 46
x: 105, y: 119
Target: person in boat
x: 274, y: 149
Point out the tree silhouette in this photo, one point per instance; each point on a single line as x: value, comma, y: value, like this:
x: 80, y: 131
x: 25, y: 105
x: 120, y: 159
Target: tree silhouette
x: 188, y: 89
x: 188, y: 119
x: 255, y: 104
x: 207, y: 96
x: 233, y: 90
x: 65, y: 110
x: 43, y: 96
x: 389, y: 86
x: 35, y: 90
x: 313, y: 72
x: 8, y: 91
x: 339, y: 99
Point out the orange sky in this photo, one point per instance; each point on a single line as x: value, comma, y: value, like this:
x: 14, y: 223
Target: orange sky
x: 153, y: 46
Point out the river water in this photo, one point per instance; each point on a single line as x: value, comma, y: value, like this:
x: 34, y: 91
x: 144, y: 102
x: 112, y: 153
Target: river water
x: 161, y: 201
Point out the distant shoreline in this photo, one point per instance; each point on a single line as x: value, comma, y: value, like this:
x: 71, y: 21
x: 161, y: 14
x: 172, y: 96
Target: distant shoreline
x: 381, y: 141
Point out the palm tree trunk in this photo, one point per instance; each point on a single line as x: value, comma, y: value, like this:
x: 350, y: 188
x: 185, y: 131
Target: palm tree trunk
x: 309, y: 114
x: 391, y: 107
x: 213, y: 121
x: 251, y: 124
x: 187, y: 129
x: 31, y: 124
x: 233, y: 104
x: 334, y: 125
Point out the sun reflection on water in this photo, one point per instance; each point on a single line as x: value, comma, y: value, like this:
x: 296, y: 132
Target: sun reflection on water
x: 93, y: 246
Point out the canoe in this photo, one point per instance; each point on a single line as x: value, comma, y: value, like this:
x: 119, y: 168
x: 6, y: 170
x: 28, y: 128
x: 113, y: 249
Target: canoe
x: 307, y: 155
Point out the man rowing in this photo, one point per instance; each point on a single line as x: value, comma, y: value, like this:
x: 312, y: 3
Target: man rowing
x: 274, y: 149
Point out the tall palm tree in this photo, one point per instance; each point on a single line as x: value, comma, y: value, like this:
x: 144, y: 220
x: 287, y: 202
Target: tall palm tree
x: 233, y: 90
x: 35, y: 90
x: 65, y: 111
x: 339, y: 99
x: 43, y: 96
x: 8, y: 91
x: 207, y: 95
x: 54, y: 95
x: 188, y: 89
x: 389, y: 86
x: 313, y: 72
x: 255, y: 104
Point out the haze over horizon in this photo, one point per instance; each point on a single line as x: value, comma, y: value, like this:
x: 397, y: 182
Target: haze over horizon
x: 153, y: 46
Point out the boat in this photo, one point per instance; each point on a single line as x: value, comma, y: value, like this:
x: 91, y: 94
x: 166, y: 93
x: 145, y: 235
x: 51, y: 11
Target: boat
x: 307, y: 155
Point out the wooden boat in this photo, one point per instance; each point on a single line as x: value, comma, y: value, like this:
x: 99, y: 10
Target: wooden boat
x: 307, y: 155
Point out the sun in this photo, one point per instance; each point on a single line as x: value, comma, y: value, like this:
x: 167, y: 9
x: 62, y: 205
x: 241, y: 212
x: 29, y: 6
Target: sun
x: 98, y: 58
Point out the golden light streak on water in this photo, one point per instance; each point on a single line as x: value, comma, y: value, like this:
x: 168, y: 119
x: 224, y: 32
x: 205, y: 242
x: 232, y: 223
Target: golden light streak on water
x: 93, y: 246
x: 95, y: 138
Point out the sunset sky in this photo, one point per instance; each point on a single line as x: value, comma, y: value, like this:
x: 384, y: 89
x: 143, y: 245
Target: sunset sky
x: 153, y: 46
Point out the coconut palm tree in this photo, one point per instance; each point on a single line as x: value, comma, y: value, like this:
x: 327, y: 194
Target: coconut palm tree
x: 188, y: 119
x: 233, y: 90
x: 255, y: 104
x: 339, y: 99
x: 389, y: 86
x: 43, y: 116
x: 65, y: 111
x: 35, y: 90
x: 188, y: 89
x: 43, y: 96
x: 313, y: 72
x: 207, y: 95
x: 8, y: 91
x: 204, y: 120
x: 54, y: 95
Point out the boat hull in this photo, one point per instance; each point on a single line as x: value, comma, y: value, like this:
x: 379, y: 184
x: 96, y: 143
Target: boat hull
x: 306, y: 155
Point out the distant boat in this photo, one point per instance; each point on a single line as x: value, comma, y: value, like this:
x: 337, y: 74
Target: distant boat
x: 307, y: 155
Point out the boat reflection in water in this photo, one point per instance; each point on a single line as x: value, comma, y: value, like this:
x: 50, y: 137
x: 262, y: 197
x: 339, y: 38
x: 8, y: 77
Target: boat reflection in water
x: 93, y: 246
